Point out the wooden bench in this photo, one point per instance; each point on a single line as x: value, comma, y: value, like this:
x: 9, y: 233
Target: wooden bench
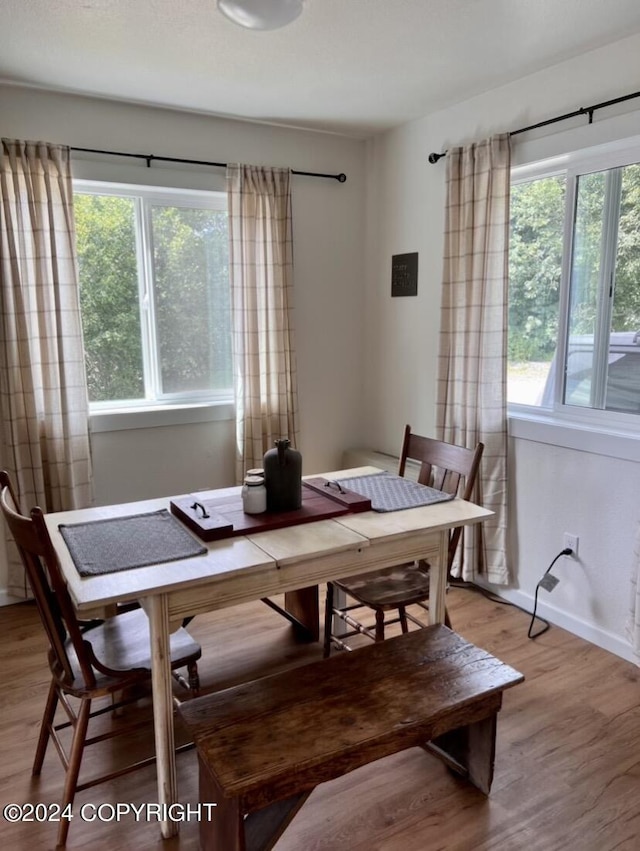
x: 263, y: 746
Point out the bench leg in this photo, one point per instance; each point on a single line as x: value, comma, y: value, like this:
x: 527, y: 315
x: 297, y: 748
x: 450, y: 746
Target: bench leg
x: 265, y: 827
x: 225, y: 831
x: 470, y: 751
x: 230, y: 830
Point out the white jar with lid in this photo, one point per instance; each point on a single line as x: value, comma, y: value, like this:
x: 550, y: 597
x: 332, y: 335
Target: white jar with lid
x: 254, y: 495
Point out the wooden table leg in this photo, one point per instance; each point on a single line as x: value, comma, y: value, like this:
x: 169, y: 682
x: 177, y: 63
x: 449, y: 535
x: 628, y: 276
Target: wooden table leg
x: 438, y: 581
x: 303, y: 605
x: 158, y: 612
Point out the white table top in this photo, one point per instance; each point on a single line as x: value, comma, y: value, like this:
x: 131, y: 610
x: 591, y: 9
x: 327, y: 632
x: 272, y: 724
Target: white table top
x: 248, y: 555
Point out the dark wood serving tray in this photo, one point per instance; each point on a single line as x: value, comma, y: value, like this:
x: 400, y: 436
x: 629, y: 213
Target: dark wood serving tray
x: 351, y: 500
x: 226, y: 518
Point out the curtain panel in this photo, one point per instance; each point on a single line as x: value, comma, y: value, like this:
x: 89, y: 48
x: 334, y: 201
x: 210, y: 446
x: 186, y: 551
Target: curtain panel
x: 261, y: 269
x: 633, y: 621
x: 471, y: 382
x: 44, y: 439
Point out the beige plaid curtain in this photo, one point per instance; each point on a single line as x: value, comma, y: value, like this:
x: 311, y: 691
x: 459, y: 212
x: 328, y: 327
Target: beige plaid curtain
x: 471, y: 388
x: 633, y: 621
x: 44, y: 441
x: 261, y: 262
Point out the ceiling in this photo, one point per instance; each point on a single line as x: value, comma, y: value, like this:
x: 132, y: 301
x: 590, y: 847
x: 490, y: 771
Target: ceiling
x: 349, y: 66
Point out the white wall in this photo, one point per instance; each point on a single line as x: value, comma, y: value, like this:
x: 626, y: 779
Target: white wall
x: 357, y: 390
x: 553, y: 489
x: 328, y: 253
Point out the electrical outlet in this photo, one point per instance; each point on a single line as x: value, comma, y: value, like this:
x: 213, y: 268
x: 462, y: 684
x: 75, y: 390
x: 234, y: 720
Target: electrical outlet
x: 571, y: 541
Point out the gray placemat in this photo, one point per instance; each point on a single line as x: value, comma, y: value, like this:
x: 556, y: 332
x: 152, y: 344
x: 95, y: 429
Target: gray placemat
x: 393, y: 493
x: 122, y: 543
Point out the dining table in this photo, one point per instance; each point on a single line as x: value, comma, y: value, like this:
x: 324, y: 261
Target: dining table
x: 291, y: 560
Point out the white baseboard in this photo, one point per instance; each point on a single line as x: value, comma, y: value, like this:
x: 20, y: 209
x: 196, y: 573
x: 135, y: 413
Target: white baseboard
x: 7, y: 599
x: 600, y: 637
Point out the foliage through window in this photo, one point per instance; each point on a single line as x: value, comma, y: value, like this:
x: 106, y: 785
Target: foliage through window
x: 154, y: 293
x: 574, y: 289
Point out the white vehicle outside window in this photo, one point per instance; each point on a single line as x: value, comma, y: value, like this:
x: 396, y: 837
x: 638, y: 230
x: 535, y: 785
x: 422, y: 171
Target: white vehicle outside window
x: 574, y: 297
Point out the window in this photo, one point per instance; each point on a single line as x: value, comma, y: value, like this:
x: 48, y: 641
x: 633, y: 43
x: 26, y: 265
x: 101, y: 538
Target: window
x: 535, y: 265
x: 154, y: 295
x: 574, y: 288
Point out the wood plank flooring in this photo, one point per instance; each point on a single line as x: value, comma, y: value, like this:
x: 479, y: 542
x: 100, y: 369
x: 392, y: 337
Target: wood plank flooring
x: 567, y: 764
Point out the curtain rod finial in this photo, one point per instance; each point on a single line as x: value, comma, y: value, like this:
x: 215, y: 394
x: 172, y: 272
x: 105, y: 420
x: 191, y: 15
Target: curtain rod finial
x: 433, y: 158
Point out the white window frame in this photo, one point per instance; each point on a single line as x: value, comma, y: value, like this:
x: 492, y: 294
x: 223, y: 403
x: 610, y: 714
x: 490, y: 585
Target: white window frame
x: 603, y: 432
x: 158, y: 408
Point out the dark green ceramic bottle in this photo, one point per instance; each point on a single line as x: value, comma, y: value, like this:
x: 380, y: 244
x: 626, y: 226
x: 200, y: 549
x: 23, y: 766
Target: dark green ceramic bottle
x: 283, y: 477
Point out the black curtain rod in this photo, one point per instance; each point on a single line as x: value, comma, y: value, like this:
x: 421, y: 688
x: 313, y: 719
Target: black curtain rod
x: 585, y: 110
x: 149, y: 158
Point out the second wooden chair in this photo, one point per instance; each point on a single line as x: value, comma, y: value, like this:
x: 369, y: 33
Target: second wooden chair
x: 443, y: 466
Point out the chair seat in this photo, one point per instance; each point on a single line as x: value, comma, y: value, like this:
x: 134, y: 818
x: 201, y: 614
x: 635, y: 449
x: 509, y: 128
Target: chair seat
x: 122, y: 644
x: 401, y: 585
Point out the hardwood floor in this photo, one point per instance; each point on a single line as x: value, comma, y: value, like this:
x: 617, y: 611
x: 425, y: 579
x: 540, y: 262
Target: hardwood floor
x: 567, y: 765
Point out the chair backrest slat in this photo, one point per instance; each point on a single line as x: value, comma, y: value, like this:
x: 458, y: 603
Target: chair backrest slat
x: 443, y: 466
x: 49, y: 589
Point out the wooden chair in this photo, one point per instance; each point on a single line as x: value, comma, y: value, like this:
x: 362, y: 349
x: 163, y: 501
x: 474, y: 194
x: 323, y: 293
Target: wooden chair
x: 87, y: 660
x: 443, y: 466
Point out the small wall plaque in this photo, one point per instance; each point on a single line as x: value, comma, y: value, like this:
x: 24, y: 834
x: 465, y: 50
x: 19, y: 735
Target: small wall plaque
x: 404, y: 274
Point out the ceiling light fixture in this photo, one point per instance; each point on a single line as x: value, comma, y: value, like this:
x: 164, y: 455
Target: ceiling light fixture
x: 261, y: 14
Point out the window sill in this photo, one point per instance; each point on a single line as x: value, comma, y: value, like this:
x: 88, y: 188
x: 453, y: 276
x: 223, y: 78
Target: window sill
x: 170, y: 415
x: 555, y: 430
